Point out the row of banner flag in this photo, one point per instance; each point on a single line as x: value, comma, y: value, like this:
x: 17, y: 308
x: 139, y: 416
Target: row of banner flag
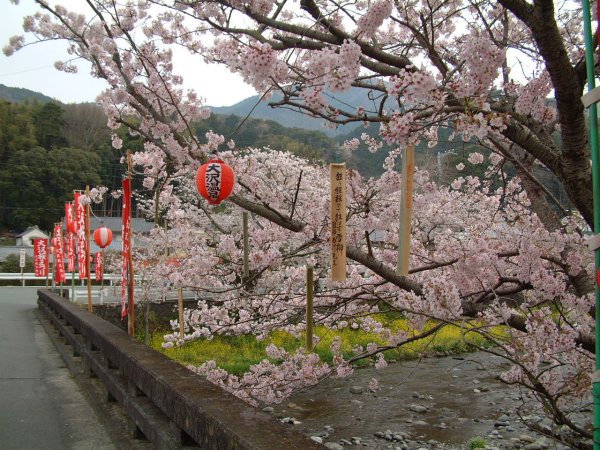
x: 71, y: 249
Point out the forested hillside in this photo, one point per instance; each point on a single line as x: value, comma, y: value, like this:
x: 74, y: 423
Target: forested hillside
x: 48, y: 149
x: 13, y: 94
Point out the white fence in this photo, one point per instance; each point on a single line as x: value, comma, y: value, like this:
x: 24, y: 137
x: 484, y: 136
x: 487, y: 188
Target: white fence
x: 109, y: 293
x: 23, y: 277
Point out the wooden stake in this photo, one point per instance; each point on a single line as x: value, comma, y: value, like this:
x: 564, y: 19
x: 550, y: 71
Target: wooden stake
x: 87, y: 255
x: 406, y: 205
x: 180, y: 305
x: 309, y: 308
x: 246, y: 250
x: 131, y: 316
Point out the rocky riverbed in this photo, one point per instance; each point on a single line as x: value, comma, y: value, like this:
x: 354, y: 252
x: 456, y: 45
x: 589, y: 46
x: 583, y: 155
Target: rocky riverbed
x: 432, y: 403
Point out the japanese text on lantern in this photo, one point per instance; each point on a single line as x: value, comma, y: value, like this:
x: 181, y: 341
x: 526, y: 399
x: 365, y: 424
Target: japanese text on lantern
x: 40, y: 257
x: 213, y: 180
x: 338, y: 221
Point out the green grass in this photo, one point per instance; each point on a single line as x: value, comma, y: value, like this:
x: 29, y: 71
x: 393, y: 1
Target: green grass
x: 476, y: 442
x: 236, y: 354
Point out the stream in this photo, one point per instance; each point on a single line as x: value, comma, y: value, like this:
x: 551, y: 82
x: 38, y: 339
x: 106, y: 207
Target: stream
x: 431, y: 403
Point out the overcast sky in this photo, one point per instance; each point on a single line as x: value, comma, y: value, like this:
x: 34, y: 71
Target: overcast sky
x: 33, y: 67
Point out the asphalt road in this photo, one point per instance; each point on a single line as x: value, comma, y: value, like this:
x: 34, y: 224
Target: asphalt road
x: 41, y: 405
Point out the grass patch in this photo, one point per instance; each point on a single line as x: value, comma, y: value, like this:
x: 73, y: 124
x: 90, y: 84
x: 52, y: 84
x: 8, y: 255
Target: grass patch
x: 236, y: 354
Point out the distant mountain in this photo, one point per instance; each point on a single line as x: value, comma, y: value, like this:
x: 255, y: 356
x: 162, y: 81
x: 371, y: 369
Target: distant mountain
x: 18, y: 95
x: 287, y: 117
x: 258, y: 133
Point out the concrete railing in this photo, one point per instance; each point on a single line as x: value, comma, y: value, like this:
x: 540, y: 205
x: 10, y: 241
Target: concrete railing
x: 166, y: 403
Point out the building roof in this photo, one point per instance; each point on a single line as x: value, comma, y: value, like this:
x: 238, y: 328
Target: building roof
x: 31, y: 230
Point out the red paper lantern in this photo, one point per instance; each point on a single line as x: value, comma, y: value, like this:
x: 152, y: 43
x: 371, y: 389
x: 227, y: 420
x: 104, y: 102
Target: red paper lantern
x: 215, y: 181
x: 103, y: 236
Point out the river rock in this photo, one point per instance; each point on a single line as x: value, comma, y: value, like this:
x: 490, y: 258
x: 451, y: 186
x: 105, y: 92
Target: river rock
x: 357, y: 389
x: 418, y: 408
x: 334, y: 446
x: 533, y: 446
x: 502, y: 421
x: 291, y: 421
x: 317, y: 439
x: 268, y: 409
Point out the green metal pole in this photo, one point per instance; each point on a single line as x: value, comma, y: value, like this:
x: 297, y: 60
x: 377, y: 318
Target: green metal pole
x: 593, y: 126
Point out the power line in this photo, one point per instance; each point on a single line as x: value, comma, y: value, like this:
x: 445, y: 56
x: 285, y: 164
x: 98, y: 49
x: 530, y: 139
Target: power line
x: 25, y: 71
x: 34, y: 69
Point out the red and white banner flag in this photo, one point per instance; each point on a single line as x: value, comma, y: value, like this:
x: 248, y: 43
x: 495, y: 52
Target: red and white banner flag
x: 70, y: 244
x: 69, y: 219
x: 70, y: 228
x: 40, y: 257
x: 99, y: 266
x: 80, y: 220
x: 126, y: 234
x: 59, y: 261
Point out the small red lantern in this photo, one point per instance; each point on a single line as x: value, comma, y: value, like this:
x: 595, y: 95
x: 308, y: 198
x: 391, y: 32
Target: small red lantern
x: 103, y: 236
x: 215, y: 181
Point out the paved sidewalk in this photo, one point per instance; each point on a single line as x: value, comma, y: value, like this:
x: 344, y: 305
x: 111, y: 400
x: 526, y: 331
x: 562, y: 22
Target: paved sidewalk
x: 42, y: 407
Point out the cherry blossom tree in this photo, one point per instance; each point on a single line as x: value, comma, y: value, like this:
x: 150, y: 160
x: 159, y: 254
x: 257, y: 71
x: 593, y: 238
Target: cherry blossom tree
x: 503, y: 255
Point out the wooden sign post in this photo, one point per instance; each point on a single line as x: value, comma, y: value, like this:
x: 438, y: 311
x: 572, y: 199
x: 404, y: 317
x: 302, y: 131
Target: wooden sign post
x: 338, y: 221
x: 406, y: 206
x: 180, y: 306
x: 130, y: 286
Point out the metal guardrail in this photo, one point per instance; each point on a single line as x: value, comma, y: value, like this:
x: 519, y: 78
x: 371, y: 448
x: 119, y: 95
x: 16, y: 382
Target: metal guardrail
x: 29, y: 276
x: 166, y: 403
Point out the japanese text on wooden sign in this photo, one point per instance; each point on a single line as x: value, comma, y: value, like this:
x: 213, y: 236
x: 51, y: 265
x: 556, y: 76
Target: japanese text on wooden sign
x: 338, y: 221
